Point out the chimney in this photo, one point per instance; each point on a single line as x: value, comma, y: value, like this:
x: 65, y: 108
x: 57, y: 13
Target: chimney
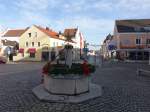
x: 27, y: 28
x: 47, y: 28
x: 59, y: 32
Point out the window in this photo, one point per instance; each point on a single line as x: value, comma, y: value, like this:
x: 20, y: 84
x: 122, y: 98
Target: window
x: 147, y: 28
x: 27, y: 44
x: 38, y: 44
x: 35, y: 34
x: 32, y: 44
x: 137, y: 29
x: 148, y: 41
x: 32, y: 55
x: 138, y: 41
x: 29, y: 34
x: 53, y: 44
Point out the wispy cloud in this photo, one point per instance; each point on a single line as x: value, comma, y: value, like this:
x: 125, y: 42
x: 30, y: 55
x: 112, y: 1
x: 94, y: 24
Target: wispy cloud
x: 33, y: 11
x: 94, y: 29
x: 133, y: 8
x: 32, y: 5
x: 94, y: 17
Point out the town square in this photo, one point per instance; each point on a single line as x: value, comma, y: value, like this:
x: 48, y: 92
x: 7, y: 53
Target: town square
x: 123, y: 90
x: 74, y: 56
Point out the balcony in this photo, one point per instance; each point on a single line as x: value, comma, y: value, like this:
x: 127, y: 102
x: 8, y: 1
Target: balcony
x: 141, y: 46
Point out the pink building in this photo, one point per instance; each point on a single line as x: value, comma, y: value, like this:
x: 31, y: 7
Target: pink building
x: 132, y: 39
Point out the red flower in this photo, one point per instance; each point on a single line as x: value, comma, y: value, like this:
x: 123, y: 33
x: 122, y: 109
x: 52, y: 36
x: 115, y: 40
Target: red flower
x: 85, y: 67
x: 45, y: 71
x: 46, y: 68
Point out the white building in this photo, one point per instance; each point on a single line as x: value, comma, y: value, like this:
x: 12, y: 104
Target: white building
x: 9, y: 40
x: 13, y: 35
x: 77, y: 38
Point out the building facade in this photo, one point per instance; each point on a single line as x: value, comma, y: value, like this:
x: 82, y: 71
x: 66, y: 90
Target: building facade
x: 43, y: 44
x: 108, y: 47
x: 78, y: 39
x: 10, y: 41
x: 39, y: 44
x: 132, y: 39
x: 13, y: 34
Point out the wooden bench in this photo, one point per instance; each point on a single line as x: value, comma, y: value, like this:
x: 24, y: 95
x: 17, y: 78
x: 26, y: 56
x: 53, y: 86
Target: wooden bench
x: 143, y: 72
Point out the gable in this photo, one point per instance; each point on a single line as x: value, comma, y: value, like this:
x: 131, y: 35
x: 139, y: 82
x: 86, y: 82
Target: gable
x: 33, y: 30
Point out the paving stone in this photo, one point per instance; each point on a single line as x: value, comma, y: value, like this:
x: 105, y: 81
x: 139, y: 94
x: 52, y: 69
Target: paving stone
x: 123, y: 91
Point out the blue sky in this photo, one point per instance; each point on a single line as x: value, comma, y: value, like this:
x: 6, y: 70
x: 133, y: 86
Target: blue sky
x: 95, y: 18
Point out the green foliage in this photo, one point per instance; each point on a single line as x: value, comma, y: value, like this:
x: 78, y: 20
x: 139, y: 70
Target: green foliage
x: 68, y: 46
x: 57, y: 69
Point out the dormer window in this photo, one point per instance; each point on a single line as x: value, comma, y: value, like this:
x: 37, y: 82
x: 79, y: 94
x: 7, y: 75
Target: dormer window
x: 29, y: 34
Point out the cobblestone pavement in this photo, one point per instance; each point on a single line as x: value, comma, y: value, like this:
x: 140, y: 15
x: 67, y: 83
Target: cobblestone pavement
x: 123, y: 91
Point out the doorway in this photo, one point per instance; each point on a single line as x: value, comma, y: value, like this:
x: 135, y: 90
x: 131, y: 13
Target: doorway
x: 45, y: 56
x: 53, y: 55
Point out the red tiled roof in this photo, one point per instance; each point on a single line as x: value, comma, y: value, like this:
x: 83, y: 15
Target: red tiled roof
x: 132, y: 25
x: 70, y: 32
x: 14, y: 33
x: 133, y: 22
x: 49, y: 32
x: 52, y: 33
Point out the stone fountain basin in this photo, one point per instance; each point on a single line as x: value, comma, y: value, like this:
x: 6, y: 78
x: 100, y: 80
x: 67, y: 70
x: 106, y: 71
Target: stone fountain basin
x: 73, y: 85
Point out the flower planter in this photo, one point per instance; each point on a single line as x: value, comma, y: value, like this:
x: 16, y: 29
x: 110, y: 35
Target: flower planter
x: 73, y: 85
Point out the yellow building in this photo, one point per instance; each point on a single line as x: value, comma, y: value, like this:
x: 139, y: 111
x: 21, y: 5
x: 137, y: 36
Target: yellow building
x: 39, y: 44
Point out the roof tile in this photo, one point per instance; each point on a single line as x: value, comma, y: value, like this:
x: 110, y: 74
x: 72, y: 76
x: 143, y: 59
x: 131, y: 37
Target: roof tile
x: 70, y: 32
x: 133, y: 25
x: 14, y: 33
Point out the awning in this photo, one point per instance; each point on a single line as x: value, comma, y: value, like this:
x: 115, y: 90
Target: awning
x: 31, y: 50
x: 21, y: 50
x: 59, y: 46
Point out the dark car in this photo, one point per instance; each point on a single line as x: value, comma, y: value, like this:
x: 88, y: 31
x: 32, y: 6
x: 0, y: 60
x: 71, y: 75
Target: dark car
x: 3, y: 60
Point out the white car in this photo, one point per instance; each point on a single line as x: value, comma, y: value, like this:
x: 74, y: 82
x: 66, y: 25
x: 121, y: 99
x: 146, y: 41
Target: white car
x: 92, y: 53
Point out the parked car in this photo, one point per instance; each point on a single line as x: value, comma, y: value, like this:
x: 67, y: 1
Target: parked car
x: 3, y: 60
